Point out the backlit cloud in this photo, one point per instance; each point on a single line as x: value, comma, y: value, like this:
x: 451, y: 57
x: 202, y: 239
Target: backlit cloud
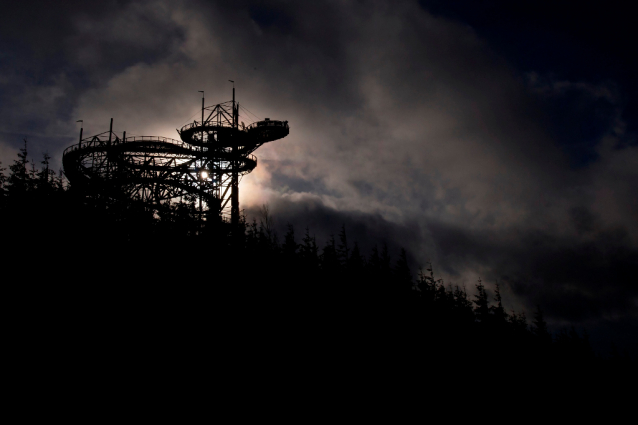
x: 405, y: 125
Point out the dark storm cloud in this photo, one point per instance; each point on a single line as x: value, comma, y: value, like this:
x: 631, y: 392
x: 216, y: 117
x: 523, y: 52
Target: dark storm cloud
x: 409, y: 124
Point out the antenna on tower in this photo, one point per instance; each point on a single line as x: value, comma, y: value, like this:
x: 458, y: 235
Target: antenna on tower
x: 81, y: 130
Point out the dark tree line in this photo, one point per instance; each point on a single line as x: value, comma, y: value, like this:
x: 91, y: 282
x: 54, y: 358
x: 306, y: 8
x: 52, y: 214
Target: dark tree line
x: 80, y: 256
x: 24, y: 179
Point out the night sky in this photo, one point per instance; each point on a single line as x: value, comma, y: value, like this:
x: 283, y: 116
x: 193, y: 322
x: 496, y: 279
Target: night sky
x: 494, y: 139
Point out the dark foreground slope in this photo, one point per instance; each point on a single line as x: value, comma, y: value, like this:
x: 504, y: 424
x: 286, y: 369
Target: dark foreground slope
x: 84, y: 283
x: 76, y: 276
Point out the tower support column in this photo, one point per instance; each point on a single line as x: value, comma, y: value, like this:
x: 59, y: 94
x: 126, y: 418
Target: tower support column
x: 234, y: 195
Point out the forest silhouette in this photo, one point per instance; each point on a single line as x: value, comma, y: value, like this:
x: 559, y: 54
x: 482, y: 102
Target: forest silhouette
x: 77, y: 265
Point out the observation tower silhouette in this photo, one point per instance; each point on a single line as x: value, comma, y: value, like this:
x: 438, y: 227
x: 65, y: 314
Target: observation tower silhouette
x: 205, y: 166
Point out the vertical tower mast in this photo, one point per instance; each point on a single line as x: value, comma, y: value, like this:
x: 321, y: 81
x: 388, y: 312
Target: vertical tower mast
x: 200, y: 165
x: 234, y: 202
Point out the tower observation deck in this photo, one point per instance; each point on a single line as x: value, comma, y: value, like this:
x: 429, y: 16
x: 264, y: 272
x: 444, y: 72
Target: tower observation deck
x: 204, y: 166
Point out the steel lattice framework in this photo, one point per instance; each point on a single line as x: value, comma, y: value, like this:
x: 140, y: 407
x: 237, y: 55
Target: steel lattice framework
x: 205, y: 164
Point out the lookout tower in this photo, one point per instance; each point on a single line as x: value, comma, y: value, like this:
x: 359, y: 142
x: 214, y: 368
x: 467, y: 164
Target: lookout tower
x: 206, y: 164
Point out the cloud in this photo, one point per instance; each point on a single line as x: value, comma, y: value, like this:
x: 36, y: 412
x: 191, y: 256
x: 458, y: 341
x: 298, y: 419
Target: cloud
x: 405, y: 126
x: 54, y: 55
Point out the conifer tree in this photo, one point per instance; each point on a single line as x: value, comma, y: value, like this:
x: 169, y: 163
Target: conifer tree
x: 343, y: 252
x: 266, y: 224
x: 385, y: 271
x: 33, y: 177
x: 329, y: 259
x: 46, y: 176
x: 252, y: 234
x: 518, y: 322
x: 427, y: 285
x: 356, y: 262
x: 3, y: 181
x: 540, y: 326
x: 482, y: 308
x: 18, y: 181
x: 440, y: 293
x: 382, y: 271
x: 374, y: 263
x: 402, y: 274
x: 353, y: 271
x: 498, y: 311
x: 59, y: 181
x: 309, y: 251
x: 3, y: 178
x: 463, y: 305
x: 289, y: 247
x: 373, y: 273
x: 265, y: 236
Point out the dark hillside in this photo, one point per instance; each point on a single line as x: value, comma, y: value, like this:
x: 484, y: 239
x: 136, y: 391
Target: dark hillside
x: 82, y: 274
